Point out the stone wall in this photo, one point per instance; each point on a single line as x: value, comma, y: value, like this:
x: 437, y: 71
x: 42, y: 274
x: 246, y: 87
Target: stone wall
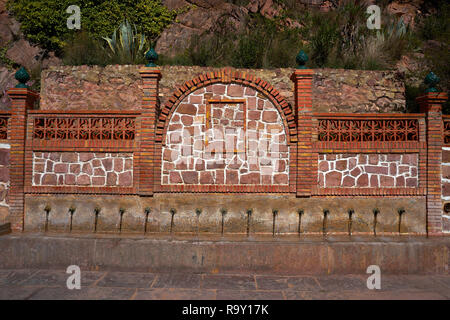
x: 368, y: 170
x: 446, y: 188
x: 225, y: 143
x: 4, y: 182
x: 120, y: 87
x: 82, y: 169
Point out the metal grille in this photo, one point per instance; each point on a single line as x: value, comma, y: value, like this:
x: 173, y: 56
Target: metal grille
x: 84, y: 128
x: 368, y: 130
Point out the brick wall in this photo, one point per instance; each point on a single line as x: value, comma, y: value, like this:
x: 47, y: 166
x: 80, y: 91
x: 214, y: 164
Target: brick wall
x: 368, y: 170
x: 4, y: 183
x: 82, y: 169
x: 238, y: 141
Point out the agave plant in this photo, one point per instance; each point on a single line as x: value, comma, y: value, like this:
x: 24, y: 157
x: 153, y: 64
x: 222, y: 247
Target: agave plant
x: 126, y: 44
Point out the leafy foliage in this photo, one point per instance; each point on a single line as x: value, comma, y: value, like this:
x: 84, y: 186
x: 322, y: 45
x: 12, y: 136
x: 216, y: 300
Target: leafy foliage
x: 44, y: 21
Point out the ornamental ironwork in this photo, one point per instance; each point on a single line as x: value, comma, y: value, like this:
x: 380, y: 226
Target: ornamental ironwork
x: 368, y: 130
x: 4, y: 127
x: 83, y: 128
x: 447, y: 131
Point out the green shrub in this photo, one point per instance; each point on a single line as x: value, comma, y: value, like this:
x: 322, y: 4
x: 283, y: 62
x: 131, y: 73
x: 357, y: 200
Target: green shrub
x: 44, y: 21
x: 82, y: 49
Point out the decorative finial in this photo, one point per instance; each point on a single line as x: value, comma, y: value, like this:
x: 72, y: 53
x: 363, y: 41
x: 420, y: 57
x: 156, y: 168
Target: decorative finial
x: 431, y: 80
x: 151, y: 57
x: 301, y: 59
x: 22, y: 76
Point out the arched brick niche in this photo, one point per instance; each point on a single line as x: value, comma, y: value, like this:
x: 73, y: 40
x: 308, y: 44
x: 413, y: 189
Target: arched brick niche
x: 227, y: 132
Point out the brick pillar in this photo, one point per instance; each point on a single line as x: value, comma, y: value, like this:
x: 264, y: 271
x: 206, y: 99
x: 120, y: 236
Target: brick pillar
x: 147, y: 158
x: 431, y: 104
x: 302, y: 79
x: 22, y: 100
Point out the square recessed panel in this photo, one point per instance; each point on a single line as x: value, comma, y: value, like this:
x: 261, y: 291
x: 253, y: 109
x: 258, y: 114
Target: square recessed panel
x: 225, y: 125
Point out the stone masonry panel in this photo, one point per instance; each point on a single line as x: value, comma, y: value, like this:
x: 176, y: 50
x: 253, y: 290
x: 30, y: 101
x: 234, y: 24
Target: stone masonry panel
x: 82, y: 169
x: 4, y: 183
x: 445, y: 188
x: 242, y: 141
x: 368, y: 170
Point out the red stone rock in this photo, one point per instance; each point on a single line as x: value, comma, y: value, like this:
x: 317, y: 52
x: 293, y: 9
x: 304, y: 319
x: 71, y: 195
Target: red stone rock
x: 250, y: 178
x: 411, y: 182
x: 270, y: 116
x: 355, y: 172
x: 376, y: 169
x: 220, y: 176
x: 70, y: 179
x: 410, y: 159
x: 107, y: 164
x: 174, y: 127
x: 323, y: 166
x: 280, y: 165
x: 83, y: 180
x: 341, y: 165
x: 195, y: 99
x: 400, y: 181
x: 220, y: 164
x: 373, y: 159
x: 187, y: 120
x: 413, y: 171
x: 387, y: 181
x: 87, y: 168
x: 333, y: 179
x: 176, y: 137
x: 190, y: 177
x: 99, y: 172
x: 352, y: 163
x: 260, y: 104
x: 266, y: 179
x: 363, y: 180
x: 111, y: 179
x: 175, y: 177
x: 118, y: 164
x: 96, y: 163
x: 206, y: 177
x: 393, y: 169
x: 61, y: 168
x: 251, y: 103
x: 75, y: 168
x: 254, y: 115
x: 403, y: 169
x: 185, y: 108
x: 4, y: 157
x: 218, y: 89
x: 445, y: 156
x: 280, y: 178
x: 98, y: 181
x: 348, y: 181
x: 250, y: 91
x: 362, y: 159
x: 69, y: 157
x: 55, y: 156
x: 126, y: 179
x: 232, y: 177
x: 49, y: 179
x: 128, y: 164
x: 39, y: 167
x: 374, y: 181
x: 170, y: 155
x: 86, y: 156
x: 199, y: 165
x: 49, y: 166
x: 234, y: 90
x: 321, y: 180
x: 393, y: 157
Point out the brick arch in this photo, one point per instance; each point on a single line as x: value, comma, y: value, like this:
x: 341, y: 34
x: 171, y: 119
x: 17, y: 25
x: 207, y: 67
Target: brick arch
x: 227, y: 76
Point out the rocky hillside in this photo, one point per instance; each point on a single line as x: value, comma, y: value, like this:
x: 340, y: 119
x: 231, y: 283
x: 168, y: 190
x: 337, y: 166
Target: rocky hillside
x: 203, y: 16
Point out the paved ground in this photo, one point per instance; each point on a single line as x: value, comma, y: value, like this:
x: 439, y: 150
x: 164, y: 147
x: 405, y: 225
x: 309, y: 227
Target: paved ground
x: 51, y: 284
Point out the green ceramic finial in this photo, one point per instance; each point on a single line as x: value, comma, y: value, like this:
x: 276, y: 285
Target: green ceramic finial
x: 151, y: 57
x: 301, y: 59
x: 431, y: 80
x: 22, y: 76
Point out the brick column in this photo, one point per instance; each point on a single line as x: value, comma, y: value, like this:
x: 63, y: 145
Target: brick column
x: 302, y: 79
x: 431, y: 104
x: 147, y: 158
x: 22, y: 100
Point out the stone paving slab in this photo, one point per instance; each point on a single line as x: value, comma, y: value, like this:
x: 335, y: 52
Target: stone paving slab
x: 51, y: 284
